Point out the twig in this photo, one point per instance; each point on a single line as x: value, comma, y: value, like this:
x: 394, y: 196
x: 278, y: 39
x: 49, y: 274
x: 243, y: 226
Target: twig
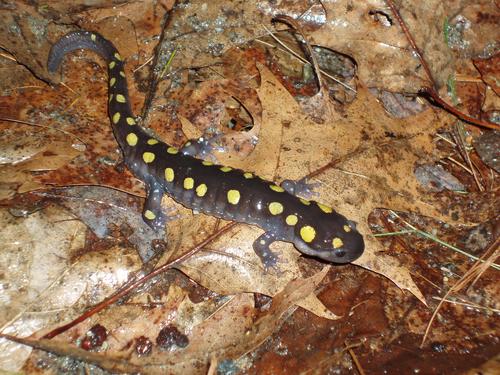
x: 135, y: 283
x: 442, y: 137
x: 431, y: 91
x: 8, y: 56
x: 462, y: 116
x: 143, y: 64
x: 412, y: 42
x: 441, y: 242
x: 472, y: 305
x: 475, y: 271
x: 356, y: 361
x: 43, y: 127
x: 296, y: 55
x: 458, y: 134
x: 459, y: 164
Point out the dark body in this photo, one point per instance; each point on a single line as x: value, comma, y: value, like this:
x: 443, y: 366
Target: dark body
x: 221, y: 191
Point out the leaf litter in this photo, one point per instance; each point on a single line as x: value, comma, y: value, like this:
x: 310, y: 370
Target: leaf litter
x: 360, y: 158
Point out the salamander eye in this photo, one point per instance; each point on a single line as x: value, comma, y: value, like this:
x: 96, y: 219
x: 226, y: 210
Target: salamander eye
x: 352, y: 224
x: 340, y: 253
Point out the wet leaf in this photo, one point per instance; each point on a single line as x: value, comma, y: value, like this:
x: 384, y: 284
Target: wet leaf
x: 226, y: 81
x: 230, y: 331
x: 47, y: 282
x: 18, y: 176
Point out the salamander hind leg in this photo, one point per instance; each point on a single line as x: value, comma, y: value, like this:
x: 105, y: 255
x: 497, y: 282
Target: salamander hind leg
x: 153, y: 214
x: 261, y: 248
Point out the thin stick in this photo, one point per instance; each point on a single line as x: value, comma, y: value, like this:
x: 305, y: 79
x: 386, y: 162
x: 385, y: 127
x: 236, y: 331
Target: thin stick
x: 296, y: 55
x: 476, y: 269
x: 467, y: 304
x: 42, y: 126
x: 143, y: 65
x: 460, y: 165
x: 441, y: 242
x: 410, y: 40
x: 431, y: 91
x: 135, y: 283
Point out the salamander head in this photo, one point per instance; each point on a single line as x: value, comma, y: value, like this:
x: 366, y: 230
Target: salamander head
x: 335, y: 240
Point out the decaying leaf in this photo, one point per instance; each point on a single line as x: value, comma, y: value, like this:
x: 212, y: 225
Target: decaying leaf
x: 228, y: 332
x: 229, y: 266
x: 47, y: 281
x: 18, y: 177
x: 106, y: 210
x: 211, y: 76
x: 366, y: 168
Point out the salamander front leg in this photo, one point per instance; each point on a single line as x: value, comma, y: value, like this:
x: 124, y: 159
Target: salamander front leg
x: 200, y: 148
x: 261, y: 248
x: 153, y: 214
x: 300, y: 188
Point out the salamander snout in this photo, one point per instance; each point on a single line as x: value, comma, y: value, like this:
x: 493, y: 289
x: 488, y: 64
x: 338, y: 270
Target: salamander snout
x: 335, y: 243
x: 351, y: 247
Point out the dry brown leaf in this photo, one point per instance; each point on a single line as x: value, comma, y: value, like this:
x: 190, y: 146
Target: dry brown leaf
x: 240, y: 333
x: 366, y: 31
x: 371, y: 171
x: 103, y: 210
x: 111, y: 363
x: 229, y: 265
x: 19, y: 178
x: 215, y: 111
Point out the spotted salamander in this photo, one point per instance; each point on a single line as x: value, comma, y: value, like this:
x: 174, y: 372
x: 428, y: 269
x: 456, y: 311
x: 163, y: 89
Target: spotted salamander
x: 231, y: 194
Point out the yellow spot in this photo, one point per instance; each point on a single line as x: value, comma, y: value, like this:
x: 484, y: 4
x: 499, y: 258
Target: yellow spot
x: 169, y: 174
x: 337, y: 242
x: 248, y: 175
x: 120, y: 98
x: 112, y: 64
x: 149, y: 215
x: 207, y: 163
x: 226, y: 169
x: 152, y: 141
x: 347, y: 228
x: 291, y: 219
x: 305, y: 201
x: 188, y: 143
x: 325, y: 209
x: 122, y: 73
x: 116, y: 117
x: 110, y: 98
x: 112, y: 81
x: 307, y: 233
x: 148, y: 157
x: 233, y: 196
x: 117, y: 56
x: 93, y: 37
x: 172, y: 150
x: 275, y: 208
x: 132, y: 139
x: 277, y: 188
x: 130, y: 121
x: 201, y: 190
x: 188, y: 183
